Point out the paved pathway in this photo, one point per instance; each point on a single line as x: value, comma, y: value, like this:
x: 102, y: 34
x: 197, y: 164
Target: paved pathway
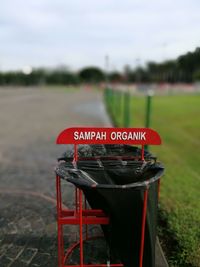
x: 30, y: 120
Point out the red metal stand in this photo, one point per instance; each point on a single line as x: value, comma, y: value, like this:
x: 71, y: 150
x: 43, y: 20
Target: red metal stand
x: 77, y: 216
x: 83, y: 216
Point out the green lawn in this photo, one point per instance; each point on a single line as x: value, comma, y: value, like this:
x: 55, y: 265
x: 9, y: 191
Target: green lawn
x: 177, y: 119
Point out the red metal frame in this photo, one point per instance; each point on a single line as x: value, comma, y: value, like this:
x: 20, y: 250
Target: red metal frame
x: 84, y: 216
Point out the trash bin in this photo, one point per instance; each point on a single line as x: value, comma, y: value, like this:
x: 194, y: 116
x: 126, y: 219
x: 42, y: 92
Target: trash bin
x: 116, y: 180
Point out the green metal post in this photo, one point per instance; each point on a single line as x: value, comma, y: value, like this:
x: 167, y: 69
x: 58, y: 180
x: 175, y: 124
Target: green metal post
x: 112, y: 103
x: 148, y: 111
x: 108, y: 99
x: 127, y: 103
x: 120, y: 108
x: 111, y: 99
x: 116, y: 108
x: 106, y: 96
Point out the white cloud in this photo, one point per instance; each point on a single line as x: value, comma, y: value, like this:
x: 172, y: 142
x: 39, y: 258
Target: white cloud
x: 80, y: 32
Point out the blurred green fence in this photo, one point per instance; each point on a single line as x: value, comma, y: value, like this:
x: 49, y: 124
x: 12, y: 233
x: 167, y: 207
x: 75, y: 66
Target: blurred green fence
x: 128, y: 110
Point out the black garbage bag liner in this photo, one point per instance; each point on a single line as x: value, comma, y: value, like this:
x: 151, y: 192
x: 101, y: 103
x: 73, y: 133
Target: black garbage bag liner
x: 117, y: 187
x: 101, y: 151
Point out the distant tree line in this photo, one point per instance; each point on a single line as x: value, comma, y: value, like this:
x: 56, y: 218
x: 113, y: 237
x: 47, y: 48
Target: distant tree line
x: 38, y: 77
x: 186, y: 68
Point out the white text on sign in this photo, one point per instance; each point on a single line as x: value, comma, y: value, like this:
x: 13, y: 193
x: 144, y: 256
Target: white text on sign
x: 115, y: 135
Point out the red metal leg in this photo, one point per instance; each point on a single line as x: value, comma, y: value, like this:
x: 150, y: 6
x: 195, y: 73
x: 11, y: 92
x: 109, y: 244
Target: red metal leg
x: 143, y: 227
x: 81, y: 227
x: 142, y: 152
x: 75, y: 153
x: 76, y: 199
x: 59, y: 209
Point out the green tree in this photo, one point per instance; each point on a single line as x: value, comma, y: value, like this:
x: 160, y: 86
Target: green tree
x: 115, y: 76
x: 91, y: 75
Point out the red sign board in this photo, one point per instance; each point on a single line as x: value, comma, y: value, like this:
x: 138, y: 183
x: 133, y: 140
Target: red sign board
x: 93, y: 135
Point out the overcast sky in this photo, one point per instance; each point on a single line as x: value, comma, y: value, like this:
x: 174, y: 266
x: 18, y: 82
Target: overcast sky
x: 81, y: 32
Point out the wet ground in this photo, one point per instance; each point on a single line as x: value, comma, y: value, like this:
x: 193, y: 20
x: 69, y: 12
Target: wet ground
x: 30, y: 120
